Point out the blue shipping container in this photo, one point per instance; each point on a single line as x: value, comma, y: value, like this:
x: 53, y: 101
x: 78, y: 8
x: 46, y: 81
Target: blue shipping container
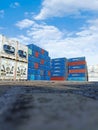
x: 38, y: 74
x: 37, y: 77
x: 45, y: 72
x: 34, y: 47
x: 31, y: 77
x: 58, y: 74
x: 58, y: 62
x: 46, y: 53
x: 31, y: 46
x: 77, y: 75
x: 58, y: 59
x: 30, y: 65
x: 36, y: 71
x: 48, y: 58
x: 77, y: 67
x: 43, y: 57
x: 47, y: 68
x: 47, y: 63
x: 30, y: 71
x: 41, y: 72
x: 30, y: 58
x: 38, y: 49
x: 47, y: 77
x: 58, y: 67
x: 42, y: 78
x: 37, y: 60
x: 58, y: 71
x: 76, y: 59
x: 41, y: 67
x: 77, y: 79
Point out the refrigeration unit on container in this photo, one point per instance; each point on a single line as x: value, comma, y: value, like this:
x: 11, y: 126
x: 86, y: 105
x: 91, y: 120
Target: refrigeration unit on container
x: 77, y: 69
x: 92, y: 72
x: 59, y: 69
x: 22, y: 52
x: 8, y: 47
x: 21, y: 70
x: 7, y: 69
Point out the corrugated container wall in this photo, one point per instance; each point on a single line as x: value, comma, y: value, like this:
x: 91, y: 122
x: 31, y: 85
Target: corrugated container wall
x: 92, y: 72
x: 13, y: 59
x: 21, y: 70
x: 59, y: 69
x: 38, y: 63
x: 21, y: 62
x: 7, y: 69
x: 77, y: 69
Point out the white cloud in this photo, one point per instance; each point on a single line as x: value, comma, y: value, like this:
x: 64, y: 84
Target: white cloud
x: 1, y: 13
x: 25, y: 40
x: 29, y: 14
x: 62, y: 44
x: 26, y: 23
x: 59, y: 8
x: 14, y: 5
x: 22, y: 39
x: 84, y: 44
x: 42, y: 33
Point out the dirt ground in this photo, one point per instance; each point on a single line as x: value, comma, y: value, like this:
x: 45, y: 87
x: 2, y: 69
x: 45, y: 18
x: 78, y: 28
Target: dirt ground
x: 48, y: 105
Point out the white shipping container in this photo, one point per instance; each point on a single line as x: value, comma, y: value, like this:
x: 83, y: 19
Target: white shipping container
x: 7, y: 69
x: 93, y: 74
x: 21, y: 70
x: 22, y: 52
x: 93, y: 79
x: 7, y: 47
x: 93, y: 68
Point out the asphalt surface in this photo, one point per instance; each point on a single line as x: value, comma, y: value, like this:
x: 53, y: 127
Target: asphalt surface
x: 48, y: 106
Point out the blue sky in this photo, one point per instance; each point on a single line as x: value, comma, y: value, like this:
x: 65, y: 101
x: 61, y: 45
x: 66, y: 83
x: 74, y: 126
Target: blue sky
x: 66, y: 28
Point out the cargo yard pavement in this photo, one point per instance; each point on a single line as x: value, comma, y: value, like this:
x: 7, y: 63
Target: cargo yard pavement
x: 48, y: 105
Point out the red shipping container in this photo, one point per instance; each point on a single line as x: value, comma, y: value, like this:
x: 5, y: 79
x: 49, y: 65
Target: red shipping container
x: 42, y: 62
x: 77, y: 71
x: 49, y: 73
x: 42, y: 51
x: 36, y: 54
x: 76, y: 63
x: 36, y: 65
x: 58, y: 78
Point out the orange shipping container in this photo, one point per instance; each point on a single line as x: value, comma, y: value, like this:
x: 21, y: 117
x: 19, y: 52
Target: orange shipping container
x: 58, y: 78
x: 42, y: 51
x: 49, y: 73
x: 36, y: 54
x: 76, y: 63
x: 42, y: 62
x: 36, y: 65
x: 77, y: 71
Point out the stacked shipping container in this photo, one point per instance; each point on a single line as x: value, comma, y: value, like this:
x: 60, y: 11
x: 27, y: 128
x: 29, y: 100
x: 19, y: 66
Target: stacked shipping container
x: 7, y: 69
x: 21, y: 62
x: 92, y: 72
x: 11, y: 65
x: 59, y: 69
x: 38, y: 63
x: 16, y: 64
x: 77, y: 69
